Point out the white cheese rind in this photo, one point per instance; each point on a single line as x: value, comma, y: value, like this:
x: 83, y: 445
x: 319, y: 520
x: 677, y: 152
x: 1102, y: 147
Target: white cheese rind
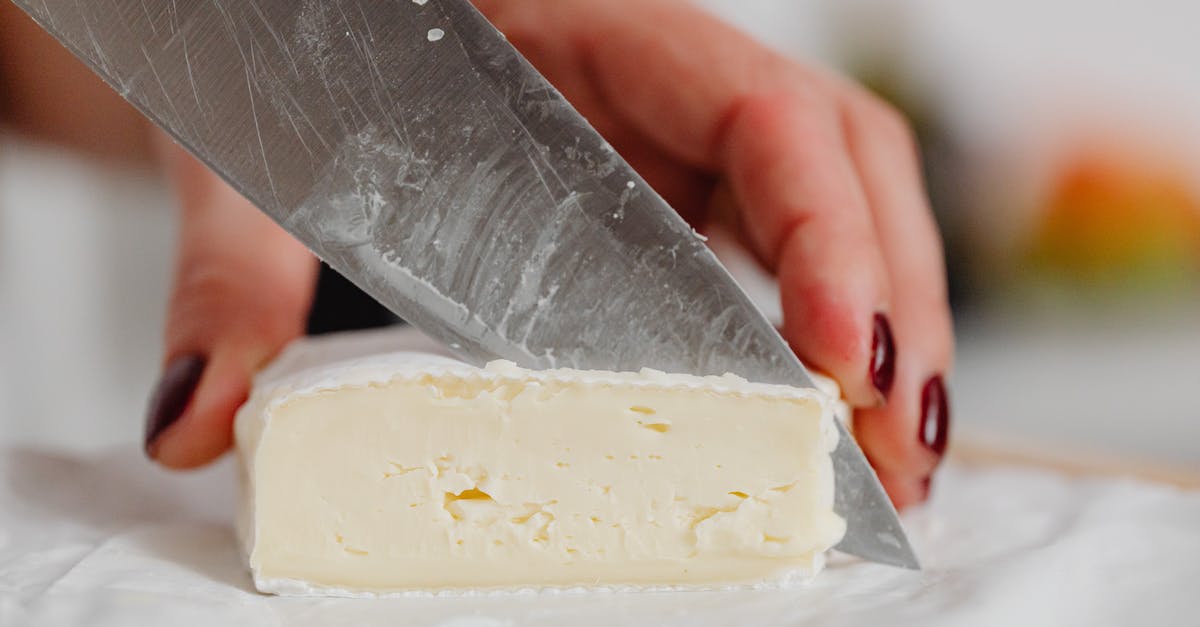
x: 510, y: 479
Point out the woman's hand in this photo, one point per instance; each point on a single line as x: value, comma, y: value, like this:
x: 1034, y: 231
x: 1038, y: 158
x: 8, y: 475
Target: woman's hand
x: 824, y: 177
x: 242, y: 290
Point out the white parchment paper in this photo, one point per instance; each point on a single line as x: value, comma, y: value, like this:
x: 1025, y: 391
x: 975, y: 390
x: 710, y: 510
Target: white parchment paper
x: 112, y: 540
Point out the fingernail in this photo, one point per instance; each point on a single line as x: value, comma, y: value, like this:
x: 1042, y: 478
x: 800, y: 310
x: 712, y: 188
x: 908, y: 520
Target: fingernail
x: 935, y: 416
x: 883, y: 355
x: 172, y: 395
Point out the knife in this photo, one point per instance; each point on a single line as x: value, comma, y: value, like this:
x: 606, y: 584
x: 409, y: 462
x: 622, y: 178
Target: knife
x: 416, y: 152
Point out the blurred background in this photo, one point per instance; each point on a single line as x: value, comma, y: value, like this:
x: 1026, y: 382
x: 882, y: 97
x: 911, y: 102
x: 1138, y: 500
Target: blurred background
x: 1062, y: 153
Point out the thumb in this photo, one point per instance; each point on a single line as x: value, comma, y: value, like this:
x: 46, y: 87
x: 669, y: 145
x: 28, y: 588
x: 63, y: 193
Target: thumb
x: 242, y: 290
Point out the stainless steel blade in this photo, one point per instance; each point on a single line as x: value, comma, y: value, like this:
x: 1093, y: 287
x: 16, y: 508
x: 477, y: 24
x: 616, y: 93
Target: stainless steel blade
x: 410, y: 147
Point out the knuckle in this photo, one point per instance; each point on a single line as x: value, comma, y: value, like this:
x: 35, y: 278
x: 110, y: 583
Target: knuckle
x: 798, y: 104
x: 201, y: 282
x: 888, y: 122
x: 802, y: 99
x: 218, y: 297
x: 198, y: 300
x: 800, y: 112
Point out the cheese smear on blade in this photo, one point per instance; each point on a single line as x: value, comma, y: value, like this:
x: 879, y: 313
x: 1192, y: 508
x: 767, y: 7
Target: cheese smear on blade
x: 411, y: 472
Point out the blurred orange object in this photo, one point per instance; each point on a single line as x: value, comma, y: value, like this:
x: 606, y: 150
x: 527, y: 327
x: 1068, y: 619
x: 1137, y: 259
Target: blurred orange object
x: 1114, y: 218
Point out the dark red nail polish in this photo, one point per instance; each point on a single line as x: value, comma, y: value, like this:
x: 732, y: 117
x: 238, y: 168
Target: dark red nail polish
x: 935, y: 416
x: 926, y: 484
x: 172, y: 395
x: 883, y: 355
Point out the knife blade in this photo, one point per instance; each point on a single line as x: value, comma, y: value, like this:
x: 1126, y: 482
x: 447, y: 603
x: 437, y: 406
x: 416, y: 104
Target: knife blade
x: 415, y: 151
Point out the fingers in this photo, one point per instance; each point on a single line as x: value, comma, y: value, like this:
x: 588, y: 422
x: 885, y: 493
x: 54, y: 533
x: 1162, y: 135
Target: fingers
x: 714, y: 99
x: 534, y: 28
x: 905, y: 438
x: 805, y: 211
x: 676, y: 85
x: 242, y: 290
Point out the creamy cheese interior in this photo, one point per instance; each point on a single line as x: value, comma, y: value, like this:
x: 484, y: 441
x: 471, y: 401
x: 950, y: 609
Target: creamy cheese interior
x: 456, y: 477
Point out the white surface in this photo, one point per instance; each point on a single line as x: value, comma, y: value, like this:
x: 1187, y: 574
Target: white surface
x: 1125, y: 387
x: 107, y: 539
x: 85, y: 256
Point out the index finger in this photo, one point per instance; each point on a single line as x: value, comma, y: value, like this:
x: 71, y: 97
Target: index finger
x: 714, y: 98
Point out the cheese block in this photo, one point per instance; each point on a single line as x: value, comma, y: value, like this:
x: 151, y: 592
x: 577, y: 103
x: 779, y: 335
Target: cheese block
x: 412, y: 472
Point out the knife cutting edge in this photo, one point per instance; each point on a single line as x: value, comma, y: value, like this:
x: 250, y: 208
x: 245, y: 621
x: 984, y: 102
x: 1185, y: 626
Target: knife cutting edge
x: 415, y: 151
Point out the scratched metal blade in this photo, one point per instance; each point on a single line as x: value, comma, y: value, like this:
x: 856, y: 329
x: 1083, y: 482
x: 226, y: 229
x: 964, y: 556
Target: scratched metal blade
x: 409, y: 146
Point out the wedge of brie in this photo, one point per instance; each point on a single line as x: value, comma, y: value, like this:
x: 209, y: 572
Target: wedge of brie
x: 414, y: 472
